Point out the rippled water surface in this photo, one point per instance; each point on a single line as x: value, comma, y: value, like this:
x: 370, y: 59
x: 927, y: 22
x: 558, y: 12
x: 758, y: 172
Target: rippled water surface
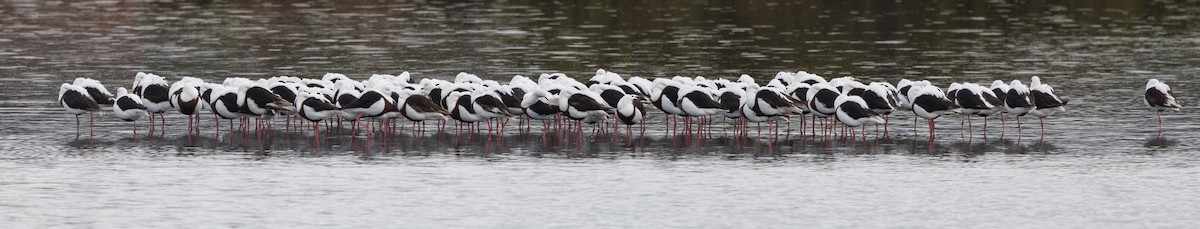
x: 1101, y: 163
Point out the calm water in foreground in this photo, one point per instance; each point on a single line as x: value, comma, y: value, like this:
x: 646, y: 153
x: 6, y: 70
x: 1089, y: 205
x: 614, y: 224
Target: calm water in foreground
x: 1100, y: 165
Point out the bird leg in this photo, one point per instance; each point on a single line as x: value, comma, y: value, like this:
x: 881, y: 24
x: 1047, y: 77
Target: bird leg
x: 931, y: 126
x: 1160, y: 127
x: 1001, y: 125
x: 962, y: 127
x: 1042, y: 122
x: 162, y: 122
x: 190, y: 125
x: 886, y: 118
x: 1018, y: 129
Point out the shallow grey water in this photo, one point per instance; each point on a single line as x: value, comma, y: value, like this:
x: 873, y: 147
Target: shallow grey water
x: 1101, y: 164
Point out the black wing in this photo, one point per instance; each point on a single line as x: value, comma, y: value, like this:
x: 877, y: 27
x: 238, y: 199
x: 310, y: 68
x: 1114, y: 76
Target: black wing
x: 318, y: 105
x: 612, y: 97
x: 875, y: 101
x: 156, y: 93
x: 856, y: 111
x: 1156, y: 98
x: 284, y: 92
x: 366, y: 100
x: 704, y: 101
x: 584, y: 103
x: 76, y: 100
x: 1017, y: 100
x: 966, y: 99
x: 98, y: 96
x: 127, y: 103
x: 731, y: 101
x: 1044, y: 100
x: 933, y: 103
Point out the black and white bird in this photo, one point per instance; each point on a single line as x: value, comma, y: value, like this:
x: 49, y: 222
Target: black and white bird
x: 76, y: 101
x: 931, y: 103
x: 156, y: 96
x: 853, y: 111
x: 584, y: 106
x: 1000, y: 90
x: 974, y: 101
x: 417, y: 107
x: 630, y: 111
x: 489, y: 106
x: 223, y: 102
x: 664, y: 95
x: 1045, y: 102
x: 767, y: 104
x: 696, y: 101
x: 185, y: 98
x: 880, y: 98
x: 373, y: 103
x: 314, y: 107
x: 286, y: 90
x: 1160, y: 98
x: 540, y: 104
x: 511, y: 96
x: 822, y: 98
x: 460, y: 107
x: 731, y: 99
x: 1017, y: 102
x: 128, y: 107
x: 345, y: 93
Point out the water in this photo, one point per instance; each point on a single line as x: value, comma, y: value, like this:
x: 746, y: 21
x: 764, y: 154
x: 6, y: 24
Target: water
x: 1101, y: 163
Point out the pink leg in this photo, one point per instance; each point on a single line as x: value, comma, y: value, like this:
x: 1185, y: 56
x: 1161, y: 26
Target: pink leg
x: 1018, y: 129
x: 1002, y: 126
x: 1160, y: 128
x: 885, y: 125
x: 931, y: 126
x: 1042, y: 122
x: 985, y: 129
x: 962, y: 128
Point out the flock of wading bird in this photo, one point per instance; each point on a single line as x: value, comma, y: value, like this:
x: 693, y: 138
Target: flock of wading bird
x: 377, y: 103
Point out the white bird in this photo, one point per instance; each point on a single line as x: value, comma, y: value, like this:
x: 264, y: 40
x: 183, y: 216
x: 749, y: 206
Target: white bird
x: 1018, y: 102
x: 185, y: 98
x: 1160, y: 98
x: 1045, y: 102
x: 821, y: 99
x: 76, y: 101
x: 1000, y: 90
x: 931, y: 103
x: 224, y: 104
x: 314, y: 107
x: 853, y: 111
x: 128, y: 107
x: 630, y: 111
x: 974, y: 100
x: 156, y: 96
